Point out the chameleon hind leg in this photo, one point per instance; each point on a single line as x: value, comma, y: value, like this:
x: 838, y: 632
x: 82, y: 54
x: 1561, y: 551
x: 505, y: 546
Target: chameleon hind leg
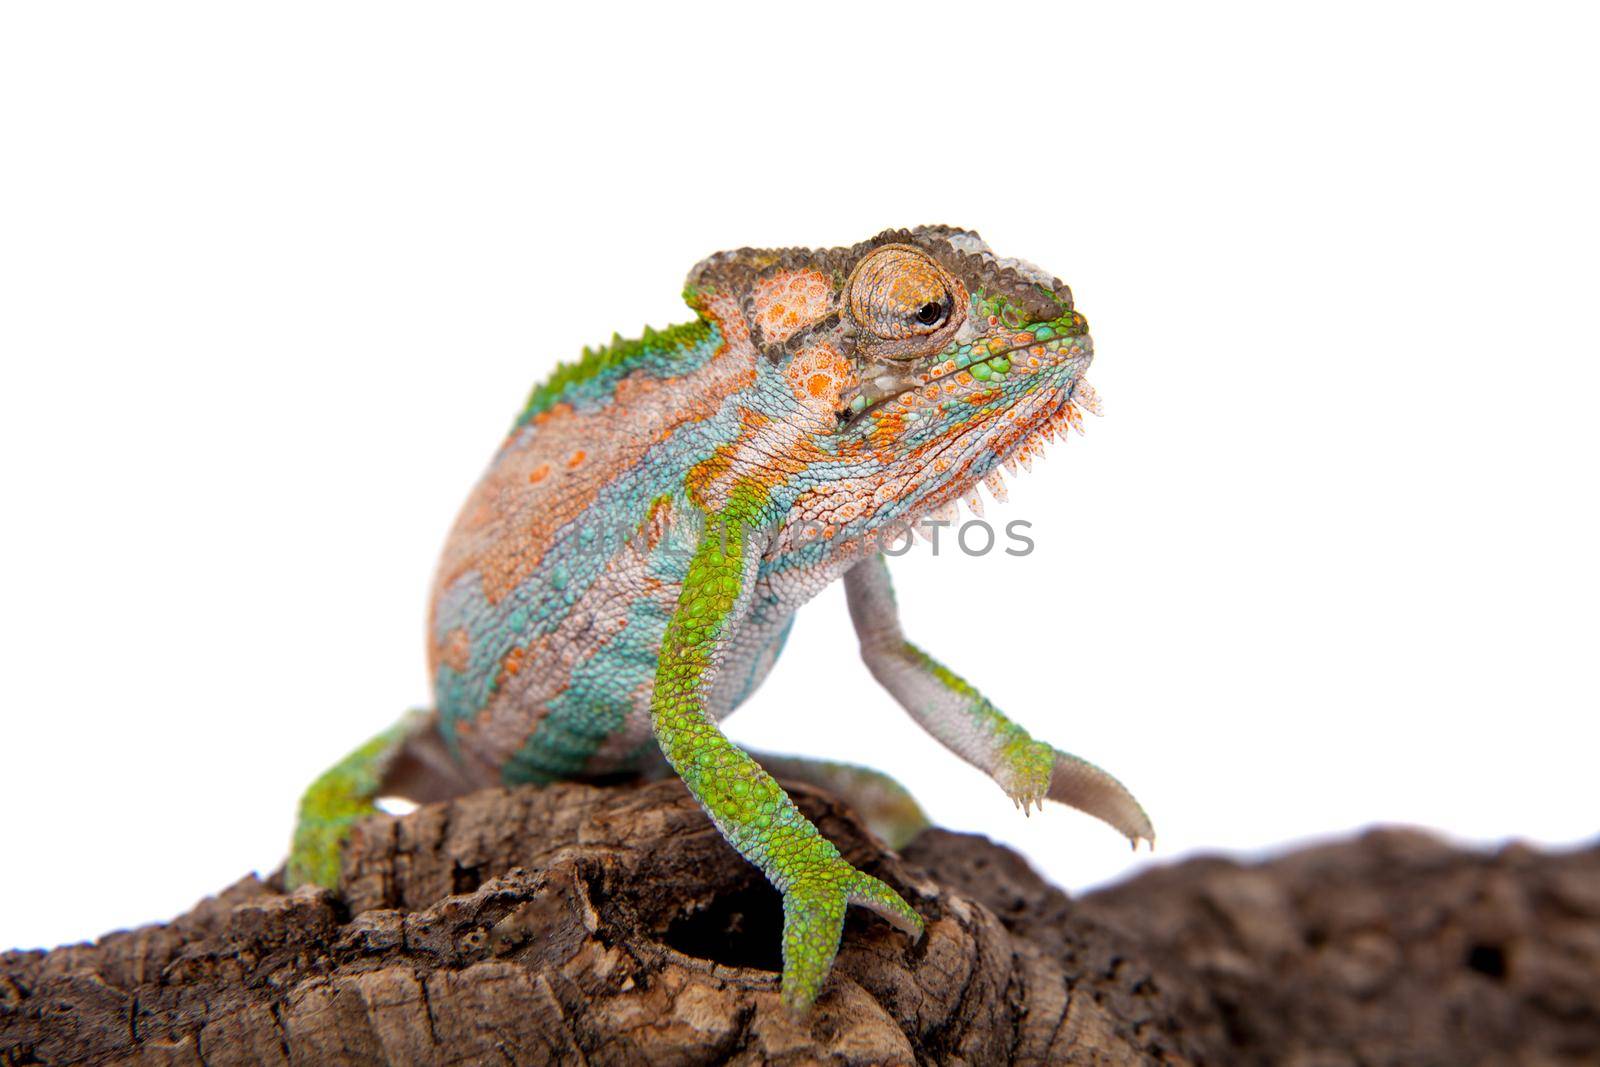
x: 407, y: 759
x: 888, y: 809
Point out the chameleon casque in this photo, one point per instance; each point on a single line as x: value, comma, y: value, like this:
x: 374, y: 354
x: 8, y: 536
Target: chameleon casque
x: 625, y: 573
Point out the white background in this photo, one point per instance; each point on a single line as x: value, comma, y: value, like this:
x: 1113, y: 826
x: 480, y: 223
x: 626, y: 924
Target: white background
x: 274, y: 281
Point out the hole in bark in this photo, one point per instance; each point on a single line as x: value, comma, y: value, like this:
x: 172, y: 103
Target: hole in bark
x: 465, y: 879
x: 395, y: 805
x: 741, y: 929
x: 1487, y: 959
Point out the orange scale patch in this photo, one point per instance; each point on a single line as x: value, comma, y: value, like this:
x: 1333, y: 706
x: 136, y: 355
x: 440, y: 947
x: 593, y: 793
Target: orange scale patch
x: 656, y: 523
x: 789, y: 301
x: 818, y: 377
x: 633, y: 389
x: 456, y: 651
x: 552, y: 414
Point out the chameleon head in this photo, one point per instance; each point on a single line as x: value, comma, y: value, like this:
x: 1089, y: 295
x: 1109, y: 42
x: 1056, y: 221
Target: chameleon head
x: 917, y: 363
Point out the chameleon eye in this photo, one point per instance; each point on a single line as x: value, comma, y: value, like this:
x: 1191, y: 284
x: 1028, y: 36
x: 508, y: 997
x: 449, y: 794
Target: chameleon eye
x: 898, y: 293
x: 932, y: 313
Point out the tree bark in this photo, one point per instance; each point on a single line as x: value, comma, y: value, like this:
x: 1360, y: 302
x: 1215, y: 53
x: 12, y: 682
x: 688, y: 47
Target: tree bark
x: 577, y: 924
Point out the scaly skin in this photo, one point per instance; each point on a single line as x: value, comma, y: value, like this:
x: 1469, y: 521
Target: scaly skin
x: 626, y: 572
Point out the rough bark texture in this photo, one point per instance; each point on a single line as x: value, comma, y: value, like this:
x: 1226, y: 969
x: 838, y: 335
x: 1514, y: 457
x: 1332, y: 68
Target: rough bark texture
x: 575, y: 924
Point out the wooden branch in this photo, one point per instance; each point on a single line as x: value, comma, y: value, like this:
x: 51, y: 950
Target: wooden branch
x: 576, y: 924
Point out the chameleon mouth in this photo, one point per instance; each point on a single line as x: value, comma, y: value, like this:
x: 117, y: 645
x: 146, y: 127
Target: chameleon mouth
x: 889, y: 390
x: 849, y: 419
x: 975, y: 459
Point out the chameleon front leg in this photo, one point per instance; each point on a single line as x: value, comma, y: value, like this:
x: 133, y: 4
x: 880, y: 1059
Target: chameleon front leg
x: 747, y: 805
x: 964, y: 721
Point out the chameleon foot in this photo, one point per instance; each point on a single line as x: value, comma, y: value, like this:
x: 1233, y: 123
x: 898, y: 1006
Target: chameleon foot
x: 314, y: 855
x: 342, y: 797
x: 1031, y: 771
x: 1025, y: 771
x: 813, y: 922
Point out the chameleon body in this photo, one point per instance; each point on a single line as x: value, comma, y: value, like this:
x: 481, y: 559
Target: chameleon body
x: 627, y: 570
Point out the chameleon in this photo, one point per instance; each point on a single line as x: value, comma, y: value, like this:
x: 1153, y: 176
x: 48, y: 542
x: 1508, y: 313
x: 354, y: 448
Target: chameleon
x: 628, y: 568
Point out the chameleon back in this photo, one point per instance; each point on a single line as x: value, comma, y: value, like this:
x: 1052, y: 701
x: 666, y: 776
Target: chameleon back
x: 558, y: 577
